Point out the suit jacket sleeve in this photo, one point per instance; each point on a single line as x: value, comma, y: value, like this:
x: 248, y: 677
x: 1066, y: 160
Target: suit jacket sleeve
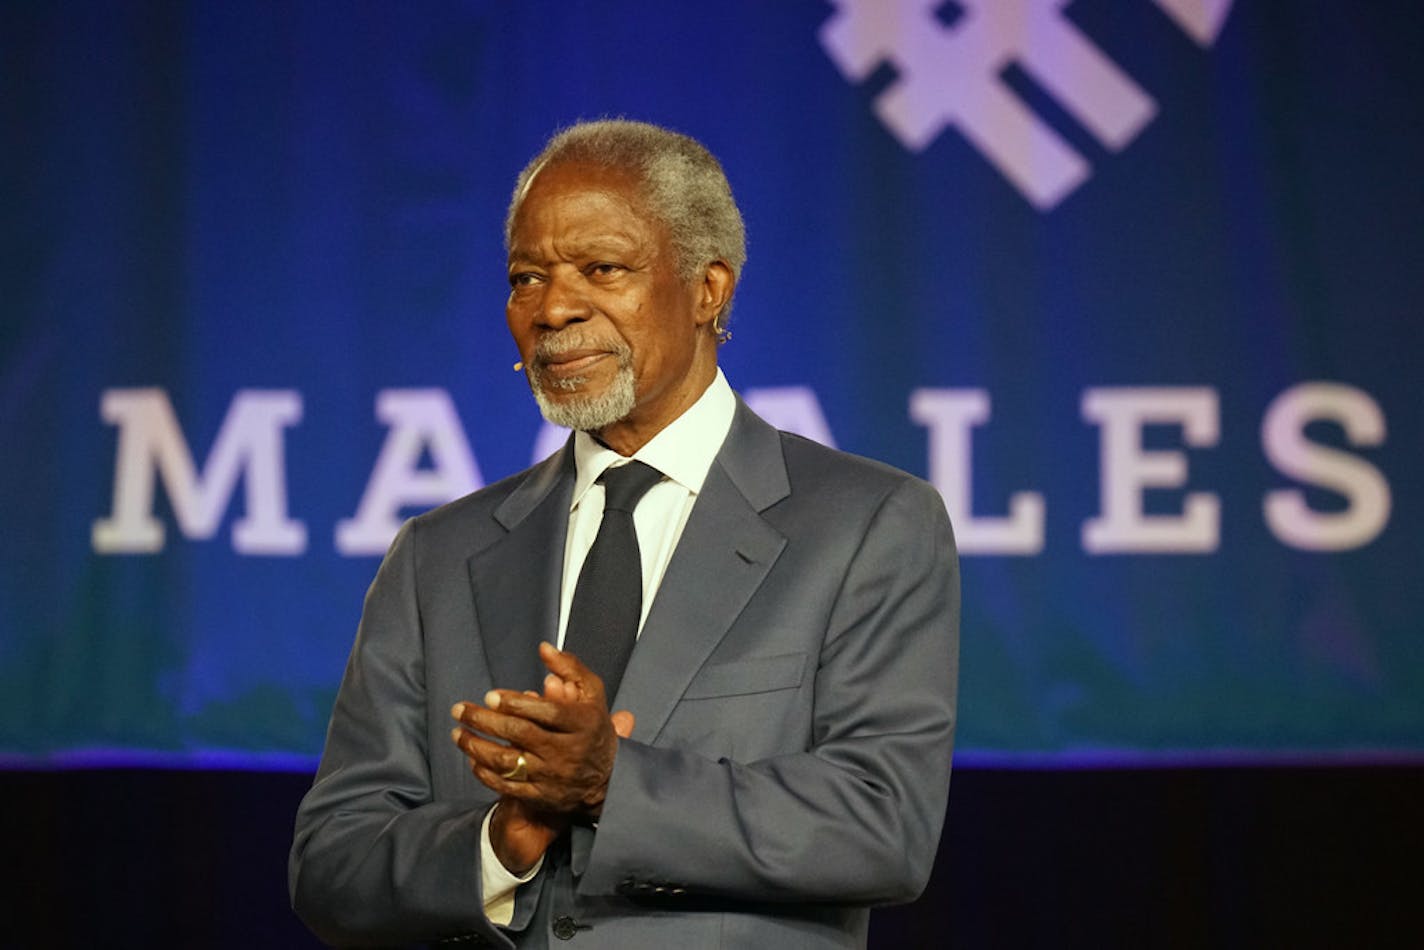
x: 854, y: 817
x: 375, y: 859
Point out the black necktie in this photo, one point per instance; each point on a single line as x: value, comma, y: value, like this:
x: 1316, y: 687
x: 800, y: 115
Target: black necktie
x: 603, y: 620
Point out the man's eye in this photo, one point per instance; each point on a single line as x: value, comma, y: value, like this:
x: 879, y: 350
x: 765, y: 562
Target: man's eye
x: 522, y: 279
x: 604, y: 269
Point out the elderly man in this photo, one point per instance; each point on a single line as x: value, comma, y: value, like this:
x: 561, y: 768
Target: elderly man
x: 690, y: 682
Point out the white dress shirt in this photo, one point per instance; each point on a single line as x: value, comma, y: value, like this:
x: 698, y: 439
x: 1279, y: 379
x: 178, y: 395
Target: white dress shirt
x: 683, y: 452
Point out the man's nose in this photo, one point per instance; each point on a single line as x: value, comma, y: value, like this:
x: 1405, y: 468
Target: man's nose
x: 564, y: 302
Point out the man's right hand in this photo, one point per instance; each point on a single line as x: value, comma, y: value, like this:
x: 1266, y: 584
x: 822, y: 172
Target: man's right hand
x: 520, y: 833
x: 554, y: 751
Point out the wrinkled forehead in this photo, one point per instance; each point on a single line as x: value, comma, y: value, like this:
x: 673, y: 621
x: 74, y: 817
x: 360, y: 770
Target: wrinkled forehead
x: 584, y: 197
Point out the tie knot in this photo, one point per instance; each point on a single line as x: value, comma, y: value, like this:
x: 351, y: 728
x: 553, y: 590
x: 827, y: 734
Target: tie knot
x: 625, y: 485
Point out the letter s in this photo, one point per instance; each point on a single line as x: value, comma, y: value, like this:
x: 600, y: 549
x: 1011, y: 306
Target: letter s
x: 1365, y: 489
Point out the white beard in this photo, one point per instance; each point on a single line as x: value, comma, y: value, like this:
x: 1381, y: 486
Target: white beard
x: 587, y: 413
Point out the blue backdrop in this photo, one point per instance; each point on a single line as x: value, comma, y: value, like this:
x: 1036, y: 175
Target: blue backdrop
x: 1135, y: 284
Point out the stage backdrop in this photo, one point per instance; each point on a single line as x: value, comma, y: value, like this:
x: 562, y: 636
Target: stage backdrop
x: 1135, y: 283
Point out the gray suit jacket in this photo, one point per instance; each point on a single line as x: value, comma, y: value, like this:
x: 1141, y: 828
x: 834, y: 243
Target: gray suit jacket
x: 794, y: 687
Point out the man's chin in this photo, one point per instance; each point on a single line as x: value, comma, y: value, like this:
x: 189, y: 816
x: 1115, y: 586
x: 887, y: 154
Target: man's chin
x: 587, y: 408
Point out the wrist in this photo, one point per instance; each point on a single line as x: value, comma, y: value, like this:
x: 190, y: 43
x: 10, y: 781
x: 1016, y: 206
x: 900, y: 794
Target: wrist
x: 518, y: 839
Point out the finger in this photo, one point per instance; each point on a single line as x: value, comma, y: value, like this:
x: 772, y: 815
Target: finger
x: 553, y: 686
x: 502, y: 707
x: 495, y: 697
x: 571, y: 669
x: 494, y: 778
x: 492, y: 756
x: 623, y: 721
x: 527, y: 791
x: 513, y: 729
x: 560, y: 690
x: 550, y: 713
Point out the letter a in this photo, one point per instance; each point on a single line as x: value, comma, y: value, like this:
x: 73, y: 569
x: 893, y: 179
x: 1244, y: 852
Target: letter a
x: 419, y: 418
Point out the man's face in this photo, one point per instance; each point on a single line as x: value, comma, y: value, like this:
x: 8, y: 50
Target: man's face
x: 614, y: 341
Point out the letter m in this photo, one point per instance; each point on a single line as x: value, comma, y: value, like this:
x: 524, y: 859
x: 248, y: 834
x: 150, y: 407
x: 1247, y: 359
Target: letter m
x: 249, y: 444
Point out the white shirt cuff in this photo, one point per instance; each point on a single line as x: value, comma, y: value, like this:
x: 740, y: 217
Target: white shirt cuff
x: 497, y: 884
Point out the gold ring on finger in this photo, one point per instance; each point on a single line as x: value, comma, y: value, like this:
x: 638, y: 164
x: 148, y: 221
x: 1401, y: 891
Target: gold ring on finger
x: 520, y: 772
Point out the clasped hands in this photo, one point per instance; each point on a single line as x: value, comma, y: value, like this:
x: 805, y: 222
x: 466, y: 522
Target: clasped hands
x: 567, y: 741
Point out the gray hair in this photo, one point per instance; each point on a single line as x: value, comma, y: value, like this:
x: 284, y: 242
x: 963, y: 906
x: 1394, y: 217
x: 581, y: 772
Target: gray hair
x: 682, y: 183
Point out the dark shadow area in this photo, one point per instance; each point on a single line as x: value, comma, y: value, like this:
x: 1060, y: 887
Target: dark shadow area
x: 1164, y: 858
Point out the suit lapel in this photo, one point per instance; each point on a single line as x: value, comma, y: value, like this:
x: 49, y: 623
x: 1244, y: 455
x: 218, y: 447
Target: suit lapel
x: 515, y: 581
x: 725, y: 553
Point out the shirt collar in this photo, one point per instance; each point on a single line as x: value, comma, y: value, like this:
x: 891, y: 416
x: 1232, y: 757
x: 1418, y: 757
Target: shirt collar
x: 683, y: 450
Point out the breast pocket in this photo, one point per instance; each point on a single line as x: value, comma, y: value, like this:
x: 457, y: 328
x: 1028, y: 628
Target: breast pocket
x: 744, y: 709
x: 760, y: 674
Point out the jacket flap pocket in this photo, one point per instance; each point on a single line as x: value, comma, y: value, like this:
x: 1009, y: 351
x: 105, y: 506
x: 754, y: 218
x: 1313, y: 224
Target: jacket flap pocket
x: 758, y: 674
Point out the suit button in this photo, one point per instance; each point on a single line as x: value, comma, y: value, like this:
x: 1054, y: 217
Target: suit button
x: 565, y: 927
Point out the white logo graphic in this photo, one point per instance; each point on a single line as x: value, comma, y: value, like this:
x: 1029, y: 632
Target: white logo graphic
x: 953, y: 75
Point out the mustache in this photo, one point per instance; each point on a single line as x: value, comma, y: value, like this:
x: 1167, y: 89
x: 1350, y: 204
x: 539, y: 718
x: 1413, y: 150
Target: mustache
x: 560, y: 342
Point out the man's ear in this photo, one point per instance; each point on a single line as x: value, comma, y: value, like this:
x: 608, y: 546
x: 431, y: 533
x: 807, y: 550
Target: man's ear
x: 714, y: 291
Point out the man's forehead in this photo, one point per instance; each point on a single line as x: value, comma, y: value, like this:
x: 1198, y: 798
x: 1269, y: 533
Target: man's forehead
x: 595, y: 242
x: 585, y: 205
x: 571, y: 175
